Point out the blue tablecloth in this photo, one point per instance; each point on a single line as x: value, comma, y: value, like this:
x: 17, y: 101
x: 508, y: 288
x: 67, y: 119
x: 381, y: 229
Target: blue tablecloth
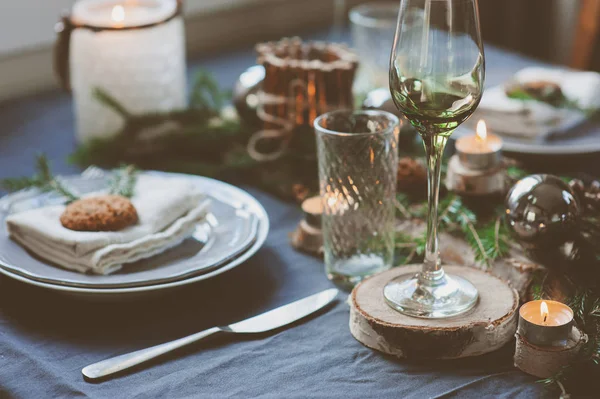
x: 45, y: 338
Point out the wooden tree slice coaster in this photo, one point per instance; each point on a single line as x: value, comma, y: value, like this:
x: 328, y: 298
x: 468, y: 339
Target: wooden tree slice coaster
x: 487, y: 327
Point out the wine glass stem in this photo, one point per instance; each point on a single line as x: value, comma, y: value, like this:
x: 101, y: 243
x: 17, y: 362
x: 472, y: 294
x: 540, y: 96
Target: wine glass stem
x: 432, y: 271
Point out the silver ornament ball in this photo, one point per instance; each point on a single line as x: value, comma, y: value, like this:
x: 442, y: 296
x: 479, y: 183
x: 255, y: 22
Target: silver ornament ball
x: 246, y: 94
x: 542, y: 211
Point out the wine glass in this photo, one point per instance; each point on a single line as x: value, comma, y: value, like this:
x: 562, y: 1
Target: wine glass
x: 436, y: 79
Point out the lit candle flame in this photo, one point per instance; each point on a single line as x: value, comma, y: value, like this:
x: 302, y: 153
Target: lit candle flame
x: 544, y: 310
x: 118, y: 13
x: 481, y: 130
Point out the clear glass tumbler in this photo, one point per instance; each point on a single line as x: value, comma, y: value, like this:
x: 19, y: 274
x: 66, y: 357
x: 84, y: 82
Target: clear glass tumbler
x: 358, y: 162
x: 373, y: 27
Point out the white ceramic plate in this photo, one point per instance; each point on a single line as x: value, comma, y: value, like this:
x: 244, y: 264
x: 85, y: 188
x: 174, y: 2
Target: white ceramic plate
x: 581, y: 139
x: 225, y: 193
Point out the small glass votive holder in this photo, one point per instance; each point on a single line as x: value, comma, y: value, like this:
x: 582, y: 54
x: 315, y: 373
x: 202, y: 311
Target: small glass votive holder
x: 358, y: 163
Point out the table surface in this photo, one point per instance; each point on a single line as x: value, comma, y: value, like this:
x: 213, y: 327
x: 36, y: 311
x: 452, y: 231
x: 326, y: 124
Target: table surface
x: 45, y: 339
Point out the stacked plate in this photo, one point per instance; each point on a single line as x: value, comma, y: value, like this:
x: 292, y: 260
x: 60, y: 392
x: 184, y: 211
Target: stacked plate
x: 235, y: 229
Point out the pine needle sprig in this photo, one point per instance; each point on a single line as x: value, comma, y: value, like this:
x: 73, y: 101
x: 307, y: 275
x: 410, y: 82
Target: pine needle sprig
x: 56, y: 185
x: 488, y: 242
x: 108, y: 100
x: 43, y: 180
x: 14, y: 184
x: 402, y: 205
x: 492, y: 241
x: 123, y: 181
x: 197, y: 139
x: 409, y: 248
x: 515, y: 172
x: 206, y: 93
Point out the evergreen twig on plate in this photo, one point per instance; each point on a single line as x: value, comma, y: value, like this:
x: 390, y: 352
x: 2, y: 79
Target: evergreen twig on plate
x: 123, y: 181
x: 42, y: 180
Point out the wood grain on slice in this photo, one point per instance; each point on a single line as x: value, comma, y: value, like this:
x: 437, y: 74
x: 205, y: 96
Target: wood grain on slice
x: 490, y: 325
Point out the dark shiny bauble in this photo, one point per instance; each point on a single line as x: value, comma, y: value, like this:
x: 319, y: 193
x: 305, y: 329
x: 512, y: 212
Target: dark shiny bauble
x: 245, y: 94
x: 542, y: 212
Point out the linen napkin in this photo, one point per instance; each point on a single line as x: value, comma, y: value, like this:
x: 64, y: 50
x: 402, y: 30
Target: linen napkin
x: 535, y: 119
x: 168, y: 210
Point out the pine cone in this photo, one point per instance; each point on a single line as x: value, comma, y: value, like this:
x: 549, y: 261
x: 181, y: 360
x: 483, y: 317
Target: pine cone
x: 300, y: 192
x: 412, y: 175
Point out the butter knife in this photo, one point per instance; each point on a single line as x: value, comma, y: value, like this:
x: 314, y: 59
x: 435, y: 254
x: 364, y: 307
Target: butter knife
x: 264, y: 322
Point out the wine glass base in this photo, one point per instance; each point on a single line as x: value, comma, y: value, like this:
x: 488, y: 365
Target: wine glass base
x: 451, y: 296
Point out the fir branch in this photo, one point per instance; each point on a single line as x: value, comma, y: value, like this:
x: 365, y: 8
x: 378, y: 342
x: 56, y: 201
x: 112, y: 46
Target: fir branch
x: 481, y: 253
x: 111, y: 102
x: 123, y: 181
x: 194, y: 140
x: 421, y: 243
x: 13, y: 184
x: 56, y: 185
x: 43, y: 168
x: 206, y: 92
x: 515, y: 173
x: 42, y: 180
x: 488, y: 242
x: 402, y: 204
x: 407, y: 247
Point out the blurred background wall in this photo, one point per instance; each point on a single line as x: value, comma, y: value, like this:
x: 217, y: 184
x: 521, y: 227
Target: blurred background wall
x: 543, y: 29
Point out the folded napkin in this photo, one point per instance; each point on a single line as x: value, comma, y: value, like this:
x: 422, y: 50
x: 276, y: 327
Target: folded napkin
x: 535, y: 119
x: 168, y: 210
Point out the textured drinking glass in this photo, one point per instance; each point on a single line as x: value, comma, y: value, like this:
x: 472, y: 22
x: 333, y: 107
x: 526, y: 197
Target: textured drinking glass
x: 436, y: 80
x: 358, y: 161
x: 373, y: 28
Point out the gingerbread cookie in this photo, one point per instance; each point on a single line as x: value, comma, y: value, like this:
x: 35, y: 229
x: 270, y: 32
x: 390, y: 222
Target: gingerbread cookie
x: 101, y: 213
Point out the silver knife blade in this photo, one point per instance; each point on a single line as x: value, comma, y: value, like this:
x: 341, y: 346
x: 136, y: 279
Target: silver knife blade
x: 286, y: 314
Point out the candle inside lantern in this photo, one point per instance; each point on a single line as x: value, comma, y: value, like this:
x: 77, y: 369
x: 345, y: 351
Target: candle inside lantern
x: 132, y: 50
x: 118, y: 14
x: 545, y: 322
x: 482, y: 150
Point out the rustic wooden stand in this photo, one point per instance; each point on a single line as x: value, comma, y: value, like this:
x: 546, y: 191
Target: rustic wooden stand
x: 490, y: 325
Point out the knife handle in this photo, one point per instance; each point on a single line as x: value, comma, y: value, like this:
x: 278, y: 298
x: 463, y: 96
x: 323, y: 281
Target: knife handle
x: 119, y: 363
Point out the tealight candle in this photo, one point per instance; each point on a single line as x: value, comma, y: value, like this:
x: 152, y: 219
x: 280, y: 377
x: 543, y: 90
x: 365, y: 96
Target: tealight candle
x: 133, y: 50
x: 545, y: 322
x: 308, y: 236
x: 477, y: 168
x: 480, y: 151
x: 313, y: 209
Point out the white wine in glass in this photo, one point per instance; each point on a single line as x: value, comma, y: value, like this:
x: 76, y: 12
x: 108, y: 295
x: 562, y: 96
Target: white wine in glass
x: 436, y: 79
